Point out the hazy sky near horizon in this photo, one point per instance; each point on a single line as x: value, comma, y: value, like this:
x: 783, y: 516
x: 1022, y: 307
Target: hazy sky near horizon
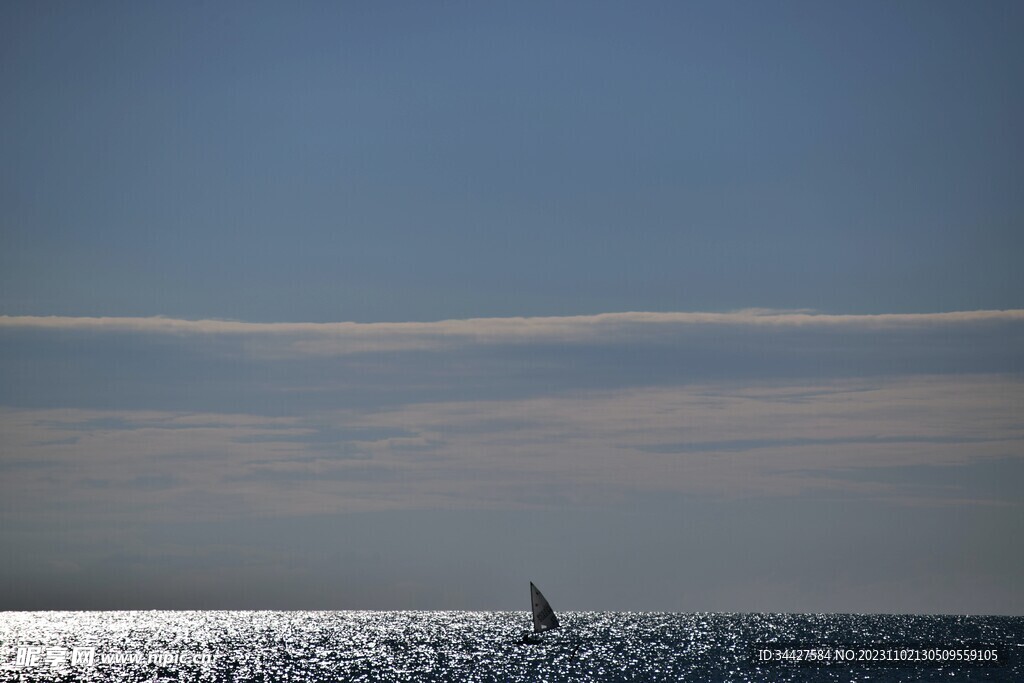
x: 666, y: 306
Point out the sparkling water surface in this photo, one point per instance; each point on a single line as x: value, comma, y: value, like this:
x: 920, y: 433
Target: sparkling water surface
x: 477, y: 646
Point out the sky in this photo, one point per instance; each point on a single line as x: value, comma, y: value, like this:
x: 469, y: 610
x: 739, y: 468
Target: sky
x: 661, y: 306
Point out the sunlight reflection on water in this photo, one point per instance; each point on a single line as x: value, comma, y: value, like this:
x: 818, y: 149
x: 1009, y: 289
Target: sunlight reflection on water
x: 469, y: 646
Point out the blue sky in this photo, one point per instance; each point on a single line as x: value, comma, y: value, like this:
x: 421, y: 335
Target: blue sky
x: 342, y: 306
x: 337, y: 162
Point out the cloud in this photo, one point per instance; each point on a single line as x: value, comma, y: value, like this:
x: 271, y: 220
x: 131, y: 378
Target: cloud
x: 840, y: 438
x: 339, y: 338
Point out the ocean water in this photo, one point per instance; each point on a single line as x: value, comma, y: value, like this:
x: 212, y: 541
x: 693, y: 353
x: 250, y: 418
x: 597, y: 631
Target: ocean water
x: 486, y: 646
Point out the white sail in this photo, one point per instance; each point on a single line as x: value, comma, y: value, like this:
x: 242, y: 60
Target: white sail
x: 544, y: 618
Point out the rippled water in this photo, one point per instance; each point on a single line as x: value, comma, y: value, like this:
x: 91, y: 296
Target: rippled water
x: 473, y: 646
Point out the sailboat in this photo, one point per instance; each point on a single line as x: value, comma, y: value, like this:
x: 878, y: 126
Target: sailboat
x: 544, y: 618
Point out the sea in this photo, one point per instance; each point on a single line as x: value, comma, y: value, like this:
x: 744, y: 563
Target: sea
x: 488, y: 646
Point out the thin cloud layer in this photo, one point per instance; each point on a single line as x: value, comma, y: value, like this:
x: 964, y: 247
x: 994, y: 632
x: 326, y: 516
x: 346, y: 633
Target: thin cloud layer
x: 850, y: 438
x: 351, y: 337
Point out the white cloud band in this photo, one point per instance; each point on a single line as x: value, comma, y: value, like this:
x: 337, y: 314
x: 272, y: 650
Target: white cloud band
x: 351, y: 337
